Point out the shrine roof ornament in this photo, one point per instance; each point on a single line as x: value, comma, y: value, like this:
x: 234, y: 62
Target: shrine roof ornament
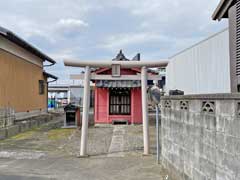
x: 120, y: 57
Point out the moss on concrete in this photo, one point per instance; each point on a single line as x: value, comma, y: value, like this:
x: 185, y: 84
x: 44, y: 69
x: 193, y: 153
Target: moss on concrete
x: 25, y: 135
x: 56, y: 134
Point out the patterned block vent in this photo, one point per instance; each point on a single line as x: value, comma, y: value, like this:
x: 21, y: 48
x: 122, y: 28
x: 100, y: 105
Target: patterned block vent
x: 208, y: 106
x: 167, y: 104
x: 184, y: 105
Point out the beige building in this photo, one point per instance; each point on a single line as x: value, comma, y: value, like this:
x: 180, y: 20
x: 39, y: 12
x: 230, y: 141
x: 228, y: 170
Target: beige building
x: 23, y: 82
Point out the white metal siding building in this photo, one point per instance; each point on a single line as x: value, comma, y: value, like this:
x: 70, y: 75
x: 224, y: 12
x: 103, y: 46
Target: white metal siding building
x: 203, y: 68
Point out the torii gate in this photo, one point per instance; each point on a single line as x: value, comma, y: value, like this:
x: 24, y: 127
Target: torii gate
x: 119, y: 64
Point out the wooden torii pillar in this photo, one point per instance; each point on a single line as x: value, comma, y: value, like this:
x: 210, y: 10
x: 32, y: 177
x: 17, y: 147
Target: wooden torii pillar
x: 123, y: 64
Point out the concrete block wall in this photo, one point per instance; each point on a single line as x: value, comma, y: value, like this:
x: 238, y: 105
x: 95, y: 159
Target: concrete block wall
x: 30, y: 123
x: 200, y: 136
x: 7, y: 117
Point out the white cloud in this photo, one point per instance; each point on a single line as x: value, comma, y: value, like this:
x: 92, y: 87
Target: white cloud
x: 123, y: 40
x: 67, y: 53
x: 71, y: 23
x: 66, y: 27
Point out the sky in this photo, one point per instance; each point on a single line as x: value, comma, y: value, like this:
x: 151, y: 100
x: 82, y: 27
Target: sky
x: 97, y: 29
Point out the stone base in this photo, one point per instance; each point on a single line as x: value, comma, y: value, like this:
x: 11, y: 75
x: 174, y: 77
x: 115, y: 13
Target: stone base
x: 84, y: 156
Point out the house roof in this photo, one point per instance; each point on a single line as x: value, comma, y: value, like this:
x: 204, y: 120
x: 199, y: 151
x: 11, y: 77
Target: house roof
x: 49, y: 75
x: 25, y: 45
x: 222, y: 9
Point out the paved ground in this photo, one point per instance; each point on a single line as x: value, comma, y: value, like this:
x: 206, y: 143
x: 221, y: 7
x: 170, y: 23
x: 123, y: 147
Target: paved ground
x: 43, y: 154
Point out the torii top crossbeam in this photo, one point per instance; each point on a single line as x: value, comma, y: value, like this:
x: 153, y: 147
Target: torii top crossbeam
x: 119, y: 60
x: 123, y: 64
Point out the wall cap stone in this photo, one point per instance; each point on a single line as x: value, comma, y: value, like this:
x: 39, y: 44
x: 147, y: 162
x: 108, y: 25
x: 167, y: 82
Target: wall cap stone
x: 226, y: 96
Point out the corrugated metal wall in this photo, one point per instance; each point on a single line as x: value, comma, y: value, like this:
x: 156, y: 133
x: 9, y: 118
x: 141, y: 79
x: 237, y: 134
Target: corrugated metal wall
x: 203, y: 68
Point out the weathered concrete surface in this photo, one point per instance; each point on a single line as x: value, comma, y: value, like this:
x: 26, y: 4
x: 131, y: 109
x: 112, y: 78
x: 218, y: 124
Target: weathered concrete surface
x: 94, y: 168
x: 29, y: 123
x: 201, y: 141
x: 46, y: 153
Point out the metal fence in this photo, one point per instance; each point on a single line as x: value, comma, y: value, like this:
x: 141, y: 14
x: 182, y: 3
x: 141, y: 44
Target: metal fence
x: 7, y: 117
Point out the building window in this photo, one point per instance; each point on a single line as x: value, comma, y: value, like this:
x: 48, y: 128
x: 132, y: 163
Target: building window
x: 120, y: 102
x: 41, y: 87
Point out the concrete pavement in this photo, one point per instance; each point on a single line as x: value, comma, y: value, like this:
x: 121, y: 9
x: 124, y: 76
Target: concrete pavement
x: 44, y: 154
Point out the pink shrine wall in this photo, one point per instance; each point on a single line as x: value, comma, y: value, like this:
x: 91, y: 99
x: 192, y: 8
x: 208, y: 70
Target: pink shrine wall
x: 101, y: 107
